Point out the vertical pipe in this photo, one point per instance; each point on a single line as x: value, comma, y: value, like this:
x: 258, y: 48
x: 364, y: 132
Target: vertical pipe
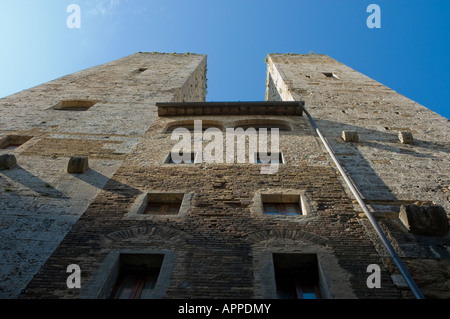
x: 409, y: 280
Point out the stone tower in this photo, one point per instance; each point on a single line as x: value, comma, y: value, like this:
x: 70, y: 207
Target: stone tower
x: 101, y: 113
x: 400, y: 156
x: 231, y: 219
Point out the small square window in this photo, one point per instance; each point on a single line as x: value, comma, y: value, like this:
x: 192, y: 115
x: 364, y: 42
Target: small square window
x: 155, y: 204
x: 282, y: 209
x: 163, y: 203
x: 282, y: 204
x: 185, y: 158
x: 330, y: 75
x: 269, y: 158
x: 162, y: 208
x: 11, y: 142
x: 74, y: 105
x: 10, y: 146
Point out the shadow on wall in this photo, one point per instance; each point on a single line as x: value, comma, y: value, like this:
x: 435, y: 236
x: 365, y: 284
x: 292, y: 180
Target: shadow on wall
x: 389, y: 174
x: 103, y: 182
x: 30, y: 181
x: 393, y: 158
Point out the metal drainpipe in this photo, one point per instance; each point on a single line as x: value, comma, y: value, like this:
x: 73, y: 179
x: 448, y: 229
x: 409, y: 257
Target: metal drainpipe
x: 409, y: 280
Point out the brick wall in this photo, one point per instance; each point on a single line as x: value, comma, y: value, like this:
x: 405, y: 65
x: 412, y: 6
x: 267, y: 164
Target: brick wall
x: 387, y: 172
x: 222, y: 243
x: 39, y: 200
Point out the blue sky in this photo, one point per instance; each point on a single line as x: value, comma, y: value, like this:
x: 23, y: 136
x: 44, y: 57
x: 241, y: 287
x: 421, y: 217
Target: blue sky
x: 410, y: 53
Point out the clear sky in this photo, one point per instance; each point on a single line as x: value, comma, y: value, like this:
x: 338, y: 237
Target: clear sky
x: 410, y: 53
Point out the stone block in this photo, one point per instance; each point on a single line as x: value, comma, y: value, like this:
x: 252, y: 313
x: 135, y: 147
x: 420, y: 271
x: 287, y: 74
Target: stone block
x: 7, y: 161
x: 78, y: 165
x: 350, y: 136
x: 406, y: 137
x: 425, y: 220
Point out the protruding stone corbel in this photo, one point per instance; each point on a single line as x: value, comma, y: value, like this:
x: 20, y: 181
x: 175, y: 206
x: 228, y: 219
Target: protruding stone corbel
x: 425, y: 220
x: 350, y: 136
x: 78, y: 165
x: 7, y: 162
x: 406, y: 137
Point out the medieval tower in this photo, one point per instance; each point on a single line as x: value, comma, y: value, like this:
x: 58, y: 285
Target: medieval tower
x: 354, y: 176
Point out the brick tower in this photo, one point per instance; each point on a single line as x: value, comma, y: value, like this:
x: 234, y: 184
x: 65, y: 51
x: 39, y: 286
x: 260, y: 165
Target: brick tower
x: 230, y: 219
x: 398, y: 158
x: 102, y: 113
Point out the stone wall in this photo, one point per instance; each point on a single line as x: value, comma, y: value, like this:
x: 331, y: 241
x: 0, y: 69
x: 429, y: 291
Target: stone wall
x: 388, y: 173
x: 39, y: 200
x: 223, y: 243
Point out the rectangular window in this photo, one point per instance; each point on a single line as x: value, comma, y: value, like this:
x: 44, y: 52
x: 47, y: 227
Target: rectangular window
x: 10, y: 146
x: 267, y: 158
x: 74, y: 105
x: 297, y: 276
x: 283, y: 204
x: 282, y: 209
x: 12, y: 142
x: 163, y: 203
x: 184, y: 159
x: 162, y: 208
x: 330, y: 75
x: 137, y: 276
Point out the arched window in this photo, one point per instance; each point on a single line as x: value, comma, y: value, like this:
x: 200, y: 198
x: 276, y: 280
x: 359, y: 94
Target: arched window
x: 190, y: 125
x: 282, y: 126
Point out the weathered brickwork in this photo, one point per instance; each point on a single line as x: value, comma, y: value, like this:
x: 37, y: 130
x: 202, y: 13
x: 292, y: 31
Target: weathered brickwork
x: 214, y: 243
x: 401, y: 157
x: 101, y: 112
x: 223, y: 242
x: 221, y: 245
